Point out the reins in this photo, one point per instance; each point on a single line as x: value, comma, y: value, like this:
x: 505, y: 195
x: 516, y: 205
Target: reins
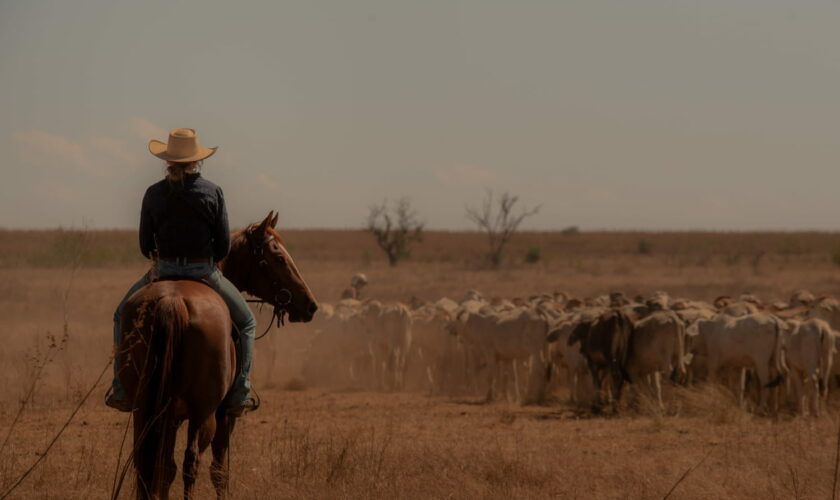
x: 277, y: 313
x: 282, y: 298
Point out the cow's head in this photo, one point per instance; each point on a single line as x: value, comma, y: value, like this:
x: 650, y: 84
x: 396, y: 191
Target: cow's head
x: 722, y: 301
x: 458, y: 323
x: 580, y: 332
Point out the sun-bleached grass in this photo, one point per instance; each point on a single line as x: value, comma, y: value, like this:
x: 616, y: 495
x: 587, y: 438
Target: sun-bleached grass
x: 307, y: 442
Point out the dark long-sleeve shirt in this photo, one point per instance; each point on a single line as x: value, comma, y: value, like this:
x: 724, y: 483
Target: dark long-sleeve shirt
x: 188, y: 220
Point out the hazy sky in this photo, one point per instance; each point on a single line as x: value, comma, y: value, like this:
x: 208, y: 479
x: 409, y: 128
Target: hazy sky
x: 720, y: 114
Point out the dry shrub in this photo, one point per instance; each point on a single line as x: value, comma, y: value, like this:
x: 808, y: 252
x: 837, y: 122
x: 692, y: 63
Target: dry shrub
x: 641, y: 401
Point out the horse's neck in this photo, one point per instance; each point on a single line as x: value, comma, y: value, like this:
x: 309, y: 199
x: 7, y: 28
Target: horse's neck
x: 236, y: 271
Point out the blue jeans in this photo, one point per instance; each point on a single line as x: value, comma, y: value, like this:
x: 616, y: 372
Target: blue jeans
x: 240, y: 313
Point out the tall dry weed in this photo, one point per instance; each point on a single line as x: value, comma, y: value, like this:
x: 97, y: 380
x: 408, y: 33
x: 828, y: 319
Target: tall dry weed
x: 358, y: 459
x: 713, y: 403
x: 41, y: 357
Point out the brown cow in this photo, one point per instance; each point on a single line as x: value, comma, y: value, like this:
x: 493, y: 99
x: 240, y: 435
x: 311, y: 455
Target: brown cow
x: 604, y: 342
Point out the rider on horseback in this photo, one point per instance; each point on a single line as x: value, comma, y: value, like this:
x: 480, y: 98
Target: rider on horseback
x: 183, y: 221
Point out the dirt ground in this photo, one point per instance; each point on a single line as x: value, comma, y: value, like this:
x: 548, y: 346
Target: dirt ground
x: 313, y: 443
x: 316, y: 444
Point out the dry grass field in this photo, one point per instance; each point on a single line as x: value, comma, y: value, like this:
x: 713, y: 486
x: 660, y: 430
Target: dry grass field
x: 308, y: 442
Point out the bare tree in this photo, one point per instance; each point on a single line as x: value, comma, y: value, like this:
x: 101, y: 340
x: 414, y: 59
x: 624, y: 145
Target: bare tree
x: 395, y: 227
x: 497, y: 219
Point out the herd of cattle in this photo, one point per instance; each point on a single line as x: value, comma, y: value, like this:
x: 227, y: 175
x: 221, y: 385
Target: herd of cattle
x: 770, y: 354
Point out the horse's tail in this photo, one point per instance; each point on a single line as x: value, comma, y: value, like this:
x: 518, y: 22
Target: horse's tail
x: 170, y: 318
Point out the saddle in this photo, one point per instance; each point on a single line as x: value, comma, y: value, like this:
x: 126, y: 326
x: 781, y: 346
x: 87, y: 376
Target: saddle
x: 235, y: 334
x: 202, y: 279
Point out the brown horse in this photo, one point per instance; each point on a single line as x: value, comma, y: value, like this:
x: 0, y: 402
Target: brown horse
x: 179, y: 361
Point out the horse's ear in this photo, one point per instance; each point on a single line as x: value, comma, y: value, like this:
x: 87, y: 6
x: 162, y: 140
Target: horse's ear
x: 273, y: 222
x: 266, y: 223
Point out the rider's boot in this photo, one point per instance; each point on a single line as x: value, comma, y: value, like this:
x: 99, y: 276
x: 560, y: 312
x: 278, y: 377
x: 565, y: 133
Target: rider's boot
x: 239, y: 399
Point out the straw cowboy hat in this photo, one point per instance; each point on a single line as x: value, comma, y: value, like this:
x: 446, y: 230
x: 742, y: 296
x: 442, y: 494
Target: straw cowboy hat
x: 183, y: 146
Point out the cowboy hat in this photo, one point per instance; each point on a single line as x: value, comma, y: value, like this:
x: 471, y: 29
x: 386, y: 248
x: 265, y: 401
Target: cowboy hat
x: 183, y: 146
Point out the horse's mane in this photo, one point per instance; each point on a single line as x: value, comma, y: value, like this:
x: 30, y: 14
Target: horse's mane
x: 238, y: 237
x: 277, y: 236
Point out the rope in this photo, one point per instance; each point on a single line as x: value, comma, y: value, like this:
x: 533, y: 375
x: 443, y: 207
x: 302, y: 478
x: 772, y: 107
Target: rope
x: 41, y: 457
x: 686, y: 473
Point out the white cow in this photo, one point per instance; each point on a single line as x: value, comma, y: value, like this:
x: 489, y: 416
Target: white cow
x: 809, y: 353
x: 473, y: 295
x: 801, y: 298
x: 338, y: 351
x: 741, y: 308
x: 826, y: 309
x: 433, y: 350
x: 657, y: 347
x: 752, y: 342
x: 388, y: 328
x: 507, y: 340
x: 446, y: 304
x: 659, y: 301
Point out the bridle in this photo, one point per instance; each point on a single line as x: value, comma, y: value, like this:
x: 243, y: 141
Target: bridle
x: 282, y: 297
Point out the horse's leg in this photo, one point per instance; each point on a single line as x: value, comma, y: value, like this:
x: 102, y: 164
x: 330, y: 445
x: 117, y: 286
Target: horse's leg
x: 190, y: 468
x: 167, y: 454
x: 153, y: 458
x: 144, y: 460
x: 199, y: 436
x: 219, y: 472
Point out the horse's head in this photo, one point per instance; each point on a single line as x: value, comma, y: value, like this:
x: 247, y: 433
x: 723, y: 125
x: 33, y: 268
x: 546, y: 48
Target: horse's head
x: 258, y: 263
